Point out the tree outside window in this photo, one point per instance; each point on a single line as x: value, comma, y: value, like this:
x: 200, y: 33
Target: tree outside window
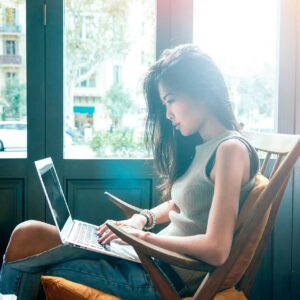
x: 245, y: 48
x: 10, y: 16
x: 103, y: 75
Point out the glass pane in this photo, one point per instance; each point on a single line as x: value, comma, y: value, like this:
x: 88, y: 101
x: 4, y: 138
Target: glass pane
x: 13, y: 115
x: 241, y: 36
x: 109, y: 44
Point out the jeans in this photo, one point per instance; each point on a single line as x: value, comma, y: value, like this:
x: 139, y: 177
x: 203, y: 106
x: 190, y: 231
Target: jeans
x: 119, y: 277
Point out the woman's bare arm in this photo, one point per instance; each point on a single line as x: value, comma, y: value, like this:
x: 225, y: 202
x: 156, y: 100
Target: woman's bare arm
x: 162, y: 211
x: 138, y: 221
x: 231, y: 170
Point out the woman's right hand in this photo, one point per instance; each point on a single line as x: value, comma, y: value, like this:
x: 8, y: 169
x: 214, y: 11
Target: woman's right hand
x: 137, y: 221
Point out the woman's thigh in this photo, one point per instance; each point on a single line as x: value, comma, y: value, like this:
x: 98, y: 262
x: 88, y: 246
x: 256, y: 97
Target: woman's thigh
x: 119, y: 277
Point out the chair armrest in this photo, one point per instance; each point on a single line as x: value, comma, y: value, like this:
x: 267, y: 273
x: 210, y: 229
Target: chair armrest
x: 127, y: 209
x: 165, y: 255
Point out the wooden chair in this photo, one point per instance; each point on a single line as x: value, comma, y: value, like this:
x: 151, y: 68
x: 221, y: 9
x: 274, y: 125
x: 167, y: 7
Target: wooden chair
x: 253, y: 229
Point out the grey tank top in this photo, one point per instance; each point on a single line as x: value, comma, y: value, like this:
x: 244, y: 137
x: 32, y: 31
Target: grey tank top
x: 193, y: 193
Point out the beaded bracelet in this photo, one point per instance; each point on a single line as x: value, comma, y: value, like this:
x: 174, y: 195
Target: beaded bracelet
x: 151, y: 218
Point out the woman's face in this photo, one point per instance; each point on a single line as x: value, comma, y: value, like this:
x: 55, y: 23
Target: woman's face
x: 186, y: 114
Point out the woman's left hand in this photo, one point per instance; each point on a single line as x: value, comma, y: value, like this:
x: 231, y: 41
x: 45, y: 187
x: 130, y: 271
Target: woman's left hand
x: 107, y: 236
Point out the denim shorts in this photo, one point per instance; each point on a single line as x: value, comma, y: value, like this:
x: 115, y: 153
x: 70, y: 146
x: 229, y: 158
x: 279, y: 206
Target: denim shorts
x: 123, y: 278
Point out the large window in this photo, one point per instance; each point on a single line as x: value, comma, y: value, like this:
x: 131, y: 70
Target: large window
x: 104, y: 109
x: 242, y: 37
x: 13, y: 112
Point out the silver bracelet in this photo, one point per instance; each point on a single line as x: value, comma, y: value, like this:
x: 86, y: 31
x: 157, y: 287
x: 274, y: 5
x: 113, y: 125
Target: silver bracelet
x: 151, y: 218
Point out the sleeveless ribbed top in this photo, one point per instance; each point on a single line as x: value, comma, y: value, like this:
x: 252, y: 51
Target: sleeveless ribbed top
x: 193, y: 192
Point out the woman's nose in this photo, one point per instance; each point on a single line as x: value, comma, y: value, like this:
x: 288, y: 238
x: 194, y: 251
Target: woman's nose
x: 169, y: 114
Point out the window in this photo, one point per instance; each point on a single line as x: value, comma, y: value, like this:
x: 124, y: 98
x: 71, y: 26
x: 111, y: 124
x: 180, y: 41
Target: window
x: 10, y: 76
x: 117, y: 74
x: 101, y: 54
x: 10, y: 47
x: 88, y: 28
x: 89, y: 81
x: 92, y: 81
x: 13, y: 100
x: 242, y: 37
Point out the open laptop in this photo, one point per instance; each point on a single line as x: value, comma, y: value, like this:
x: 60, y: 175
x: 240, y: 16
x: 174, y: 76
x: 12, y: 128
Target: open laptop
x: 73, y: 232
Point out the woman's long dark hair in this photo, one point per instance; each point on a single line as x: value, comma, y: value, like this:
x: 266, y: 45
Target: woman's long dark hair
x: 185, y: 69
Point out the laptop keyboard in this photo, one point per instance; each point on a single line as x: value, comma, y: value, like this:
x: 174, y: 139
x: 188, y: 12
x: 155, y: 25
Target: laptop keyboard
x: 87, y: 235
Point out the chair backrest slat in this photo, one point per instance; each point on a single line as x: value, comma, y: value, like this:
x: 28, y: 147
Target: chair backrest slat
x: 277, y: 164
x: 265, y: 163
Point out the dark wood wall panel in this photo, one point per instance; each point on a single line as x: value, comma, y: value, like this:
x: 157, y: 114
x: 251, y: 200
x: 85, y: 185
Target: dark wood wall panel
x: 262, y: 287
x: 282, y: 241
x: 88, y: 203
x: 11, y: 208
x: 295, y: 271
x: 273, y: 280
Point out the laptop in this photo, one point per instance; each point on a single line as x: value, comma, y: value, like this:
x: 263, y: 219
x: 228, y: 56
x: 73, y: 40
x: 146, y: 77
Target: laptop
x: 74, y: 232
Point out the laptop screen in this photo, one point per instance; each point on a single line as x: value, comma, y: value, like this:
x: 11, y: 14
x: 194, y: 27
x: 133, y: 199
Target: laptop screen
x: 56, y: 197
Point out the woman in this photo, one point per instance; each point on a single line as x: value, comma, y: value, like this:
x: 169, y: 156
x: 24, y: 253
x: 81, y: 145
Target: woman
x: 207, y: 170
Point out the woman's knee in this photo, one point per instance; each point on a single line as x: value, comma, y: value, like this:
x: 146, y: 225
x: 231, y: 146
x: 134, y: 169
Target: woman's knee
x: 29, y: 230
x: 31, y: 237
